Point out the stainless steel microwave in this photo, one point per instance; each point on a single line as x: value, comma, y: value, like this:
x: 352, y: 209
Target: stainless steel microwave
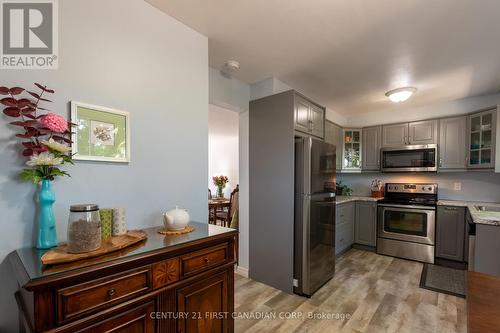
x: 418, y: 158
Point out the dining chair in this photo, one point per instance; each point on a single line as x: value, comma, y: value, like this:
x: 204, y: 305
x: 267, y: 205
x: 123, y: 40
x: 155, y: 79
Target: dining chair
x: 234, y: 201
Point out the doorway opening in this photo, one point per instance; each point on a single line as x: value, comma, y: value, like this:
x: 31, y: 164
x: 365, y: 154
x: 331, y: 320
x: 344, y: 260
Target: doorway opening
x: 223, y: 164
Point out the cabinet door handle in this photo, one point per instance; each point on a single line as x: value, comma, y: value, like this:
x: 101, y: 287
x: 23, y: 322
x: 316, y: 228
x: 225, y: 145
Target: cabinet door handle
x: 206, y: 260
x: 441, y: 162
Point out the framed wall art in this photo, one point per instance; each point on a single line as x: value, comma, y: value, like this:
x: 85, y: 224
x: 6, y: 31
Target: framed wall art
x: 100, y: 134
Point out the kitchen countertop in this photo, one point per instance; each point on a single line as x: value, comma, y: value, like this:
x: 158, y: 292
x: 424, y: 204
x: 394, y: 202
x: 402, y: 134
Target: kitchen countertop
x: 479, y: 217
x: 344, y: 199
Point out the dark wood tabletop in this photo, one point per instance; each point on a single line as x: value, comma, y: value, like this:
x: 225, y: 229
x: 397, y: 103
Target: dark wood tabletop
x: 215, y: 205
x: 483, y: 303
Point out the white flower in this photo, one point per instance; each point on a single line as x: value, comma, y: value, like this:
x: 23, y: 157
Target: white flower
x: 44, y: 158
x: 56, y: 146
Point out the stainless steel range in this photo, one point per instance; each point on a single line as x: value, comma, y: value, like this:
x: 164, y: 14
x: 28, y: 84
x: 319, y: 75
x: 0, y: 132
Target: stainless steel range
x: 407, y: 220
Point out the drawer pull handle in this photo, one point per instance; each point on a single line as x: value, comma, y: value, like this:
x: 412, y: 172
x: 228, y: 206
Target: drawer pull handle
x: 206, y: 260
x: 111, y: 292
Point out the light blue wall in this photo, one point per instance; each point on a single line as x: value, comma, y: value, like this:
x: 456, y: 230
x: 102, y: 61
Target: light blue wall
x: 127, y: 55
x: 476, y: 186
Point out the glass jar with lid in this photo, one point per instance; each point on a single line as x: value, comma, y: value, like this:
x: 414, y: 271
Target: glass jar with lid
x: 84, y: 228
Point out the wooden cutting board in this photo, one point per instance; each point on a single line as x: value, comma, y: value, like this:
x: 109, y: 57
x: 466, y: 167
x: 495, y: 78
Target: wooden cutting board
x: 60, y: 255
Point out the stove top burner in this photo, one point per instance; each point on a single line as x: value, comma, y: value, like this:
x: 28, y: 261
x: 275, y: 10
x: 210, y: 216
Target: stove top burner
x: 411, y: 194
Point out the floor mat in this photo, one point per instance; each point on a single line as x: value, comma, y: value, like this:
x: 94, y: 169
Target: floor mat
x: 443, y: 279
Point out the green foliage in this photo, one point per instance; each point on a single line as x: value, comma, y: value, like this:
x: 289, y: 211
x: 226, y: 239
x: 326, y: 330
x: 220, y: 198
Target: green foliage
x: 39, y: 173
x: 32, y: 175
x: 343, y: 189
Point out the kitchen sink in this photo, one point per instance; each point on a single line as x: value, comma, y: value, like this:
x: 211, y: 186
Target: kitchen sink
x: 488, y: 208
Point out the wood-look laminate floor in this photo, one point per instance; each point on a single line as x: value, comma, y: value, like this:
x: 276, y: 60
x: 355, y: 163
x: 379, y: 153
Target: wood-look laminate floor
x: 375, y: 294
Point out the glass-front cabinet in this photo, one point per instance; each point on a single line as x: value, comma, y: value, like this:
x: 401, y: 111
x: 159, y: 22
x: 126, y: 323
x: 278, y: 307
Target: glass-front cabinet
x: 352, y: 150
x: 482, y: 133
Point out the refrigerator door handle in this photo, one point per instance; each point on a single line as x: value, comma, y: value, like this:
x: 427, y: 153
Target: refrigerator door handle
x: 305, y: 245
x: 316, y: 196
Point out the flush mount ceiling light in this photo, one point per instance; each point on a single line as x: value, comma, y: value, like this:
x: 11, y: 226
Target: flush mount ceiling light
x: 400, y: 94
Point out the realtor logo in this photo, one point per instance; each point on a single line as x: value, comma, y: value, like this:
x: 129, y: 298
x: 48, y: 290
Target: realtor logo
x: 29, y: 34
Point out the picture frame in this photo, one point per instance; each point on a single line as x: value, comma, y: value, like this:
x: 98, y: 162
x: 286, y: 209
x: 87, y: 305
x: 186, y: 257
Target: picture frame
x: 101, y: 134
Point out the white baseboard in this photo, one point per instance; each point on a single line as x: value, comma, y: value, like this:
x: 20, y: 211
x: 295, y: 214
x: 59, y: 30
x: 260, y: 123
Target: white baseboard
x: 241, y: 271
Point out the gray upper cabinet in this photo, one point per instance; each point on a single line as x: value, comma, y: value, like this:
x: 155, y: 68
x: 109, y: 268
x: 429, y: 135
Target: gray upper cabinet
x: 450, y: 233
x: 452, y: 143
x: 317, y: 120
x: 394, y: 135
x: 302, y: 114
x: 372, y: 141
x: 365, y: 227
x: 333, y: 135
x: 481, y: 139
x: 423, y: 132
x: 416, y: 133
x: 309, y: 117
x: 351, y: 146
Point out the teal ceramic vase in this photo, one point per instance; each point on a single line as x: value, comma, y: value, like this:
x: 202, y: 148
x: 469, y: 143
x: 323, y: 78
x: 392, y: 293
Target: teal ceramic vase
x: 47, y: 235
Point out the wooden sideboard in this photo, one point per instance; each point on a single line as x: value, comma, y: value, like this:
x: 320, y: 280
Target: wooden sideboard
x: 182, y: 283
x: 483, y: 303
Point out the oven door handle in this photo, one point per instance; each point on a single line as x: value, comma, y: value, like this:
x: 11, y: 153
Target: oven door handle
x: 407, y: 207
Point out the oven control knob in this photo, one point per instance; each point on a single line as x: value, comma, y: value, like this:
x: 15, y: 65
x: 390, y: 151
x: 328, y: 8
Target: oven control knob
x: 423, y: 188
x: 430, y: 188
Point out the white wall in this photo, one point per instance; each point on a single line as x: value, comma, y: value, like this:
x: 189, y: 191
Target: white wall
x: 272, y: 86
x: 223, y: 147
x: 228, y: 92
x: 123, y: 54
x: 244, y: 191
x: 267, y: 87
x: 459, y: 106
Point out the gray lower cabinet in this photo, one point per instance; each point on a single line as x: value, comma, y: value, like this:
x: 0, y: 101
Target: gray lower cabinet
x: 452, y: 143
x: 450, y: 233
x: 344, y: 227
x: 487, y: 249
x: 365, y: 226
x: 372, y: 141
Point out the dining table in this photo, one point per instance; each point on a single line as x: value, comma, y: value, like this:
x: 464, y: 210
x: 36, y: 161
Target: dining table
x: 217, y: 205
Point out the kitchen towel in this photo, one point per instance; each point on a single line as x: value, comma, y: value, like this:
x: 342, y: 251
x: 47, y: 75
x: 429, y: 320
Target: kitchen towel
x: 119, y: 224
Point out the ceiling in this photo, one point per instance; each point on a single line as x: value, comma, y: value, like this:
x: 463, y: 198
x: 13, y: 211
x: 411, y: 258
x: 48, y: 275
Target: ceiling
x: 346, y: 54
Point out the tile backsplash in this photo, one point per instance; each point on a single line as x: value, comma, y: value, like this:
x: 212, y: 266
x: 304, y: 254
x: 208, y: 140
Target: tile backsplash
x: 474, y: 185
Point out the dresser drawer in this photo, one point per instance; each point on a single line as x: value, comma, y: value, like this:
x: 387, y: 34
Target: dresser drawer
x: 204, y: 259
x: 98, y: 294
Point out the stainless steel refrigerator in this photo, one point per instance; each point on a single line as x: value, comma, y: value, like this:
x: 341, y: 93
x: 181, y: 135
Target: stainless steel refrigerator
x: 314, y: 248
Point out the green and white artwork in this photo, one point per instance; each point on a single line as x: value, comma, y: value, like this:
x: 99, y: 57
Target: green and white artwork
x: 101, y: 134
